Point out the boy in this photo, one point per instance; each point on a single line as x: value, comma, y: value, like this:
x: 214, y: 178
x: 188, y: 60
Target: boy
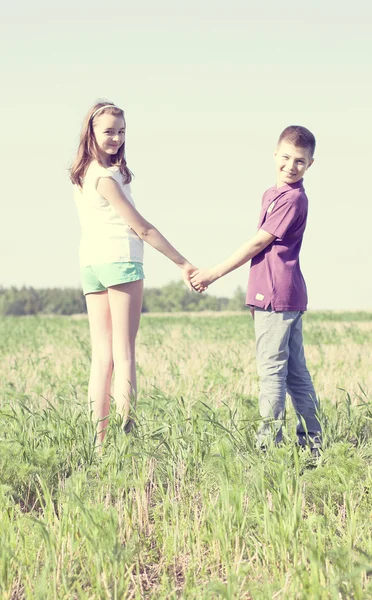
x: 277, y: 293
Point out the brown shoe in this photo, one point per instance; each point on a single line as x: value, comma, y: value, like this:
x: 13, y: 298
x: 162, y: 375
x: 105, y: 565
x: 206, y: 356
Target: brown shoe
x: 129, y: 426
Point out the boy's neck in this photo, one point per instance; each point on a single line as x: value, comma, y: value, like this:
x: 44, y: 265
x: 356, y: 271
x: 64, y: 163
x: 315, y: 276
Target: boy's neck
x: 299, y: 183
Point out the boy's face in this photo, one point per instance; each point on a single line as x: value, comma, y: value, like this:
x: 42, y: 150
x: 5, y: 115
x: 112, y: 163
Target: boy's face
x: 291, y: 163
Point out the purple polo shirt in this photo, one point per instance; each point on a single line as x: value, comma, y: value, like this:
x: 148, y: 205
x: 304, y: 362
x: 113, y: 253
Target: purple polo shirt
x: 275, y: 277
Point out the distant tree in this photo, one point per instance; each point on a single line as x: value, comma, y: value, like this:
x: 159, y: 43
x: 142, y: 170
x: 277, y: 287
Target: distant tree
x: 65, y: 301
x: 174, y: 297
x: 237, y: 302
x: 29, y: 301
x: 24, y: 301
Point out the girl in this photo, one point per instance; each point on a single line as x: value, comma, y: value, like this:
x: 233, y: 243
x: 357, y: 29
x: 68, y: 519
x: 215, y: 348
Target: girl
x: 111, y: 257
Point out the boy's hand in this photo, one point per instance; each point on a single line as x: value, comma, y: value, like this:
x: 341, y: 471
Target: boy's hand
x: 201, y: 279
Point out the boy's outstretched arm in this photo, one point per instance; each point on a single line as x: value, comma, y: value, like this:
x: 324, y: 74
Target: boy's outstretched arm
x: 202, y: 278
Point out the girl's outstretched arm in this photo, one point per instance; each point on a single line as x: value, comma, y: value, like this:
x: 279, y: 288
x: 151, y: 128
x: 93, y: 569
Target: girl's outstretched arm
x: 110, y: 190
x: 202, y: 278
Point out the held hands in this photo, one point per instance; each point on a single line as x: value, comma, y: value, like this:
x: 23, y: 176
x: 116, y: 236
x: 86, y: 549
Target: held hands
x: 202, y: 278
x: 187, y: 270
x: 197, y: 279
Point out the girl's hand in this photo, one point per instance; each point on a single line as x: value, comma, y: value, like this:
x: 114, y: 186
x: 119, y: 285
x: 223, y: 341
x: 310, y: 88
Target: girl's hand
x: 201, y: 279
x: 187, y: 270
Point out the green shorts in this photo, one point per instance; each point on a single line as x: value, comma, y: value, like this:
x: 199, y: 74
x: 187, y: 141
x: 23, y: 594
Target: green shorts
x: 97, y: 278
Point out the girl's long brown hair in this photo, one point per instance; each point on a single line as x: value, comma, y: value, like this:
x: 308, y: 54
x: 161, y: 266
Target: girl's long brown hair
x: 88, y: 150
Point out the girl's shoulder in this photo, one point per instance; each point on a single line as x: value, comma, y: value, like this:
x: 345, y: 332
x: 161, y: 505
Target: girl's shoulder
x: 95, y: 168
x: 96, y: 171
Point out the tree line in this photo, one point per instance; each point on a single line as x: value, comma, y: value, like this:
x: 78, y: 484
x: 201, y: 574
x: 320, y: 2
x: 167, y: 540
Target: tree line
x: 173, y: 297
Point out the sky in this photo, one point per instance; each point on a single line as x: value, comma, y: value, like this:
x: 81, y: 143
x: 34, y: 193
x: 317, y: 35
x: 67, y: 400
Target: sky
x: 206, y: 87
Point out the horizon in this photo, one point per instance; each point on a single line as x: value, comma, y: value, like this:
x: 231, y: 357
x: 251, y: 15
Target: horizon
x: 189, y: 312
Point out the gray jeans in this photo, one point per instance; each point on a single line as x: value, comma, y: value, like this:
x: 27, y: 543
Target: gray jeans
x: 282, y: 368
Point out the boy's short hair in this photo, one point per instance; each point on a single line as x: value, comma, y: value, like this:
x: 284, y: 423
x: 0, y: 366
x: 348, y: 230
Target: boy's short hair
x: 299, y: 136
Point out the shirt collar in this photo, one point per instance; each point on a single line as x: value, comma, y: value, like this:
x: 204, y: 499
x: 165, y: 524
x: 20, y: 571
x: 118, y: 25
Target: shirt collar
x: 291, y: 186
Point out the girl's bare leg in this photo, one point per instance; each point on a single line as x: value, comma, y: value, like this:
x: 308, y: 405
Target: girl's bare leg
x: 102, y: 364
x: 125, y: 305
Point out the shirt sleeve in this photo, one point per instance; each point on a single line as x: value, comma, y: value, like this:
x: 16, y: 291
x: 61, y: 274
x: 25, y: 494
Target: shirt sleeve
x: 282, y: 216
x: 96, y: 172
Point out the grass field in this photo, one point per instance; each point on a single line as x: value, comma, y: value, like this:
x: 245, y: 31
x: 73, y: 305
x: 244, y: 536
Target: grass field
x: 185, y: 507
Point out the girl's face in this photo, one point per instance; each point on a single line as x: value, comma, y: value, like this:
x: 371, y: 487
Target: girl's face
x: 109, y: 132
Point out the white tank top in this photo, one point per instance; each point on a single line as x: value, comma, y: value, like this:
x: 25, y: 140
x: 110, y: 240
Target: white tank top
x: 105, y: 237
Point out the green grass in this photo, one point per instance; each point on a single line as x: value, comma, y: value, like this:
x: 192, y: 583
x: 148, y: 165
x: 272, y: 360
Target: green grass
x: 185, y: 507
